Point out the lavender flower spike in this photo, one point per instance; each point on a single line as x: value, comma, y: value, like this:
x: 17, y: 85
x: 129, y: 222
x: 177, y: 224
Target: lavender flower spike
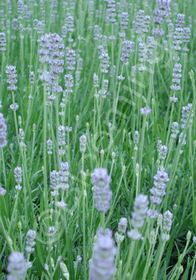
x: 17, y: 266
x: 3, y: 132
x: 104, y: 251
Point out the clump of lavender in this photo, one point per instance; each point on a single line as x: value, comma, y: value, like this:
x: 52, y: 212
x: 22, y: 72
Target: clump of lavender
x: 17, y: 266
x: 101, y: 189
x: 167, y: 224
x: 3, y: 132
x: 30, y: 241
x: 138, y: 216
x: 11, y: 77
x: 158, y: 191
x: 104, y: 251
x: 18, y: 177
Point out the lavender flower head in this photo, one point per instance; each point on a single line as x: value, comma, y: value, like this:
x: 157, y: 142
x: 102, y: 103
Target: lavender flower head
x: 17, y: 266
x: 104, y: 251
x: 166, y: 226
x: 138, y: 216
x: 102, y: 193
x: 100, y: 178
x: 3, y: 132
x: 11, y: 77
x: 160, y: 181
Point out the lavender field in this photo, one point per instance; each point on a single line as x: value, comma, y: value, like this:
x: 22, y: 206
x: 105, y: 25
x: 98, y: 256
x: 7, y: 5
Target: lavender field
x: 97, y: 140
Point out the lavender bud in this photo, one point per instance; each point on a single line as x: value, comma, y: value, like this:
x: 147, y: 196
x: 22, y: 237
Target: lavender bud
x: 122, y: 225
x: 136, y: 137
x: 49, y: 146
x: 83, y: 142
x: 31, y: 77
x: 167, y: 224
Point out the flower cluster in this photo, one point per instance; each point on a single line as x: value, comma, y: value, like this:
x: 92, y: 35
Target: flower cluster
x: 11, y: 77
x: 18, y: 177
x: 122, y: 227
x: 30, y: 242
x: 101, y: 189
x: 187, y: 115
x: 2, y: 42
x: 127, y: 49
x: 138, y: 216
x: 160, y: 182
x: 104, y: 251
x: 160, y: 14
x: 167, y: 224
x: 3, y: 132
x: 17, y: 266
x: 176, y: 77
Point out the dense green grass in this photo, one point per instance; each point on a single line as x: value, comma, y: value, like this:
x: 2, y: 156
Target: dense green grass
x: 109, y: 125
